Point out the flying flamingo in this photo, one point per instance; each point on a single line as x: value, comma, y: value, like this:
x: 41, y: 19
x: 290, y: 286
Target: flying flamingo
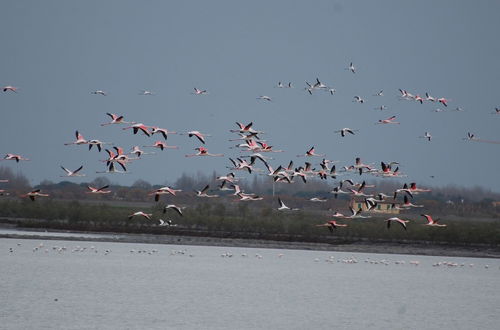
x: 162, y: 131
x: 166, y: 223
x: 197, y: 134
x: 138, y: 152
x: 136, y: 127
x: 443, y: 101
x: 202, y: 151
x: 310, y: 153
x: 100, y: 190
x: 99, y: 92
x: 199, y: 91
x: 398, y: 220
x: 72, y: 173
x: 351, y: 68
x: 33, y: 194
x: 265, y: 98
x: 331, y: 225
x: 249, y: 197
x: 142, y: 214
x: 115, y: 119
x: 17, y: 158
x: 161, y: 145
x: 79, y: 140
x: 9, y: 88
x: 432, y: 222
x: 358, y: 99
x: 427, y: 136
x: 345, y: 130
x: 163, y: 191
x: 389, y: 120
x: 173, y: 207
x: 284, y: 207
x: 97, y: 143
x: 146, y: 92
x: 203, y: 192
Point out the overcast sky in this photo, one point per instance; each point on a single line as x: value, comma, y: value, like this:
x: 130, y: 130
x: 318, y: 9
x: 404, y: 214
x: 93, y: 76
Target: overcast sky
x: 58, y: 52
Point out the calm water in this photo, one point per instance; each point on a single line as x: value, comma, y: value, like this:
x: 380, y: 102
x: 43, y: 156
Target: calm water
x: 95, y: 285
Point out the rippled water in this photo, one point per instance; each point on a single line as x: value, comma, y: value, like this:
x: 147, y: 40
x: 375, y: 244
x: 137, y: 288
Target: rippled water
x: 95, y: 285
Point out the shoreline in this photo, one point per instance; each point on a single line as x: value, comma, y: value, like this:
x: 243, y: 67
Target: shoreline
x: 409, y: 248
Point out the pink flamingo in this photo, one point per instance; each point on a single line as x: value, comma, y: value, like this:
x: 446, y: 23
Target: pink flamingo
x: 136, y: 127
x: 17, y: 158
x: 142, y: 214
x: 79, y: 140
x: 9, y: 88
x: 115, y: 119
x: 202, y: 151
x: 100, y: 190
x: 398, y: 220
x: 432, y: 222
x: 161, y: 145
x: 389, y: 120
x: 34, y: 194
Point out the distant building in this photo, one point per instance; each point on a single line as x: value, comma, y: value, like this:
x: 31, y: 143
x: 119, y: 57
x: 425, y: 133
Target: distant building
x: 495, y: 204
x: 382, y: 207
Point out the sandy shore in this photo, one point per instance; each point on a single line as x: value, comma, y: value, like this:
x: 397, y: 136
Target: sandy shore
x: 361, y: 247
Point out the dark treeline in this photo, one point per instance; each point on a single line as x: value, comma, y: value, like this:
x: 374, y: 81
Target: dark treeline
x: 469, y: 213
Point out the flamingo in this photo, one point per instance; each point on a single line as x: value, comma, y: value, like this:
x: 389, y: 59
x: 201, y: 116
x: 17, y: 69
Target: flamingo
x: 310, y: 153
x: 202, y: 151
x: 429, y: 98
x: 162, y: 131
x: 142, y: 214
x: 17, y: 158
x: 173, y: 207
x: 345, y: 130
x: 318, y: 199
x: 389, y: 120
x: 408, y: 204
x: 331, y: 225
x: 356, y: 214
x: 283, y: 207
x: 200, y: 136
x: 203, y: 192
x: 351, y: 68
x: 443, y: 101
x: 199, y: 91
x: 432, y: 222
x: 34, y: 194
x: 163, y: 191
x: 280, y: 85
x: 97, y: 143
x: 228, y: 177
x: 414, y: 189
x: 138, y: 152
x: 72, y: 173
x: 139, y: 126
x: 111, y: 169
x: 115, y: 119
x: 381, y: 93
x: 381, y: 108
x: 161, y: 145
x: 100, y: 190
x: 358, y: 99
x: 398, y: 220
x: 79, y: 140
x: 166, y: 223
x: 248, y: 197
x: 99, y: 92
x: 146, y: 92
x: 264, y: 98
x: 9, y: 88
x: 497, y: 111
x: 427, y: 136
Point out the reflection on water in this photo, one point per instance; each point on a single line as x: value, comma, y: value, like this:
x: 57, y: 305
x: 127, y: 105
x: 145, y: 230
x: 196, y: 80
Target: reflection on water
x: 100, y: 285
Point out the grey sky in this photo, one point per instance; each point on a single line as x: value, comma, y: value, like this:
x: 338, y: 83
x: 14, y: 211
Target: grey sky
x: 57, y: 52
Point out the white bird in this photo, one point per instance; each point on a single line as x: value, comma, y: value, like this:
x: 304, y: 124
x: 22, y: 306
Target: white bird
x: 358, y: 99
x: 199, y: 91
x: 398, y: 220
x: 203, y: 192
x: 146, y: 92
x: 351, y: 68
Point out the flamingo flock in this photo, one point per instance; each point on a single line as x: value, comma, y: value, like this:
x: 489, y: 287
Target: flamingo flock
x: 251, y: 145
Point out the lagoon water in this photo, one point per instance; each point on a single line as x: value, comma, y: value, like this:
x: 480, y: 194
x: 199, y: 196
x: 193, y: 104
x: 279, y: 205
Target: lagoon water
x: 99, y: 285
